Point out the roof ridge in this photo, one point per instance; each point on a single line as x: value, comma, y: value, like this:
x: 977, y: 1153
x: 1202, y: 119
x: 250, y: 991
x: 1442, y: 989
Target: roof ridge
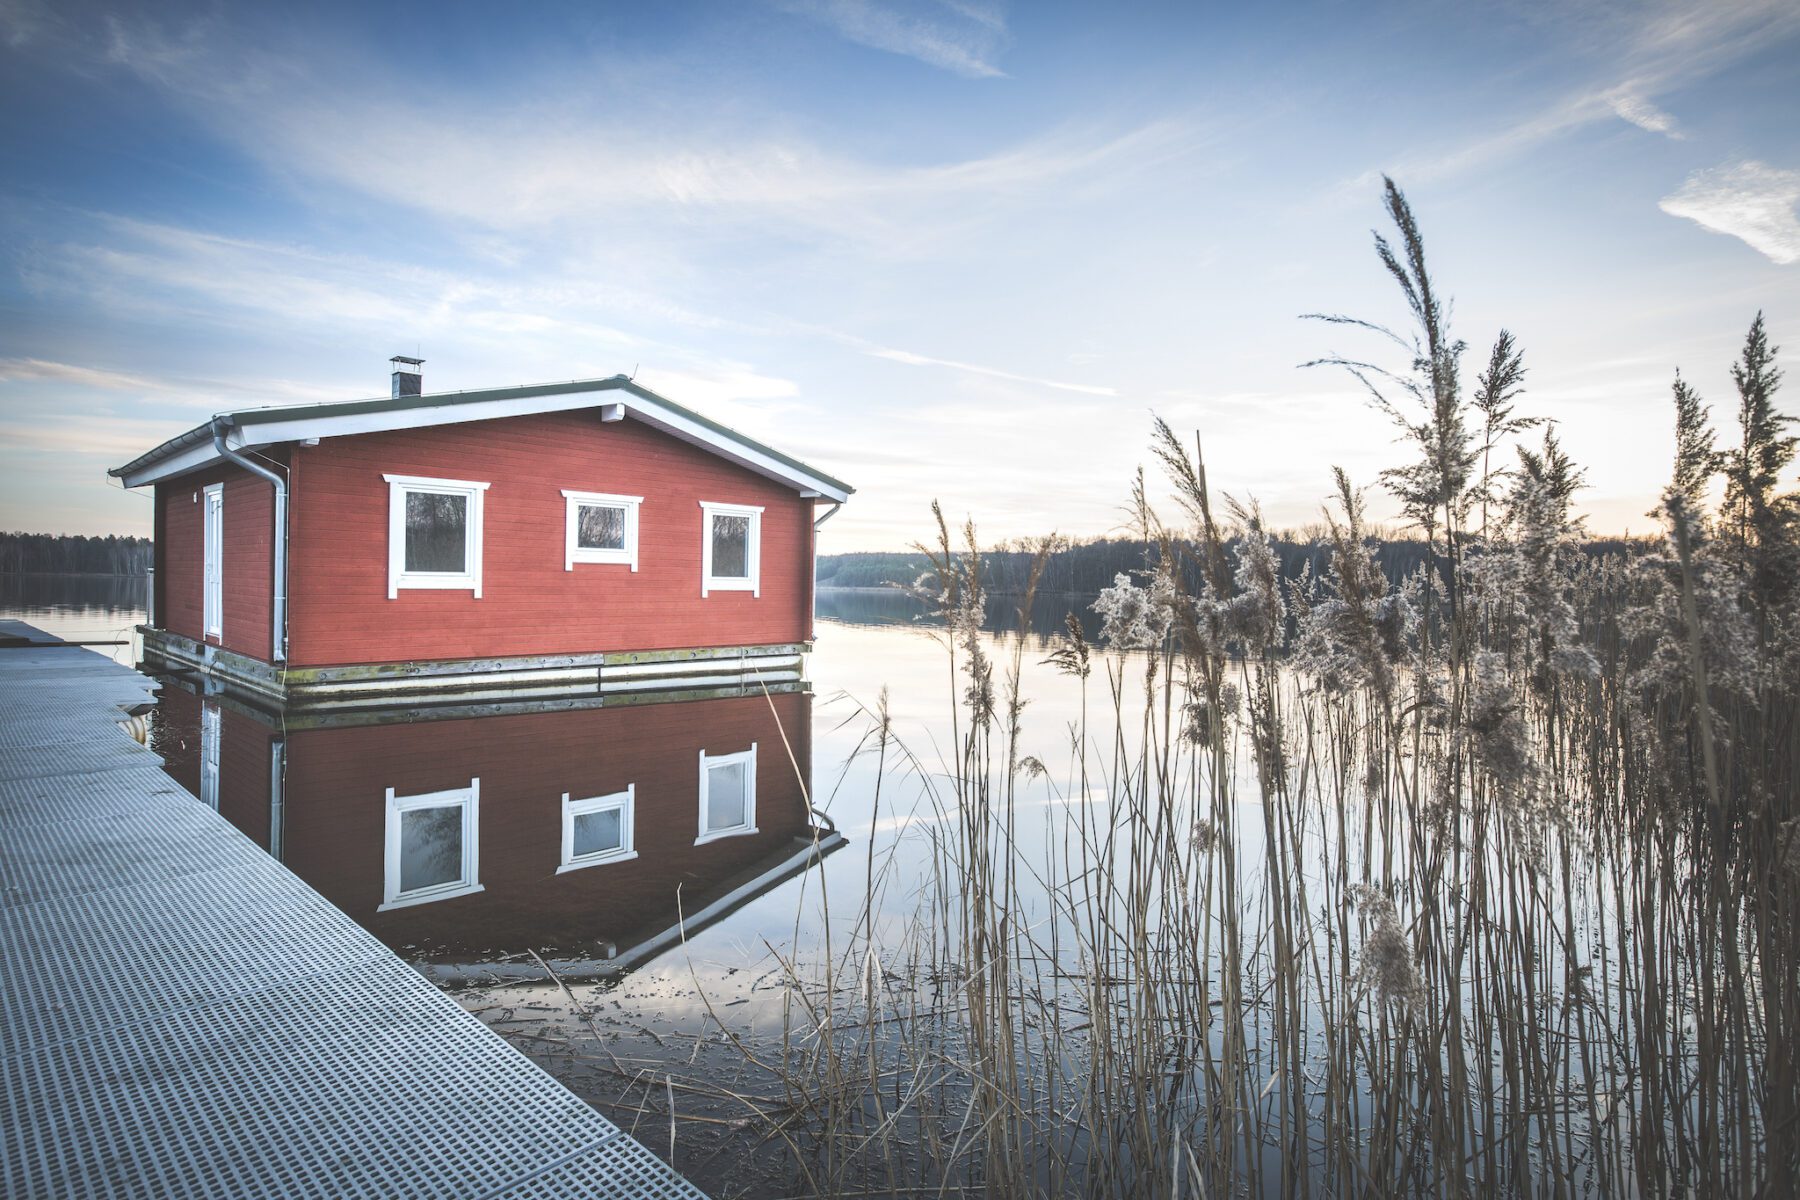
x: 710, y: 432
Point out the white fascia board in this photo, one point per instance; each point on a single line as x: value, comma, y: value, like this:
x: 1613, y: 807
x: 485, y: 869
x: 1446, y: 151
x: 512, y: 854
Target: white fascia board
x: 301, y: 428
x: 676, y: 425
x: 180, y: 463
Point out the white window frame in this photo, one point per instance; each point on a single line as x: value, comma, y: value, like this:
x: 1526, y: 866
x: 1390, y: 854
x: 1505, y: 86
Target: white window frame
x: 212, y: 562
x: 708, y: 583
x: 709, y: 761
x: 466, y: 580
x: 469, y: 799
x: 626, y: 804
x: 209, y: 754
x: 574, y: 552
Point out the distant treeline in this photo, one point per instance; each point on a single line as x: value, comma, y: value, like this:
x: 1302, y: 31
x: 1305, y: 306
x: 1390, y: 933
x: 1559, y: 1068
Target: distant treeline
x: 58, y: 553
x: 1085, y: 568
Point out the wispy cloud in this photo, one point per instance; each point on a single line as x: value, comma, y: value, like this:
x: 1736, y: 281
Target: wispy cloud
x: 212, y: 395
x: 22, y: 21
x: 735, y: 393
x: 587, y: 152
x: 923, y: 360
x: 253, y: 289
x: 1648, y: 49
x: 528, y: 171
x: 1644, y: 115
x: 1750, y: 200
x: 16, y: 370
x: 88, y: 435
x: 146, y: 268
x: 961, y: 37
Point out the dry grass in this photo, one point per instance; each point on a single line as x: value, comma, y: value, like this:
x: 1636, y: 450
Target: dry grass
x: 1307, y: 943
x: 1486, y: 884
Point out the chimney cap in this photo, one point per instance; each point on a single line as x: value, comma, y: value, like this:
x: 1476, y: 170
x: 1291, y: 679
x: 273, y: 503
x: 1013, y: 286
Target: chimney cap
x: 413, y: 362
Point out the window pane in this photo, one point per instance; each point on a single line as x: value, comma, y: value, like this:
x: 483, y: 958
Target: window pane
x: 725, y: 796
x: 430, y: 846
x: 600, y: 527
x: 730, y: 547
x: 597, y: 832
x: 436, y: 532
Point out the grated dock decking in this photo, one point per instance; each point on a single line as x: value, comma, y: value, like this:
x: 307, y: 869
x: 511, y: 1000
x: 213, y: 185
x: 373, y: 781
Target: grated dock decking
x: 181, y: 1016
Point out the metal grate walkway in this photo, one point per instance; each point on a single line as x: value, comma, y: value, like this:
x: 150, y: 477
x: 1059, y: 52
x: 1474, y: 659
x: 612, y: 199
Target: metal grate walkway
x: 181, y: 1016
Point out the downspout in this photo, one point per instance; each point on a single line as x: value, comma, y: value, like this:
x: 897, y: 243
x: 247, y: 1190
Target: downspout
x: 278, y: 618
x: 812, y: 588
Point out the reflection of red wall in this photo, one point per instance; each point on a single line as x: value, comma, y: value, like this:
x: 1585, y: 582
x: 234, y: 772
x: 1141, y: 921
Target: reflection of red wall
x: 245, y: 755
x: 244, y: 759
x: 335, y: 809
x: 175, y: 736
x: 249, y: 580
x: 530, y: 604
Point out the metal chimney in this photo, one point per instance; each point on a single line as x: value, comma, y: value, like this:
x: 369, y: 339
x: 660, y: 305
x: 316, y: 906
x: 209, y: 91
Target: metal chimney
x: 409, y: 380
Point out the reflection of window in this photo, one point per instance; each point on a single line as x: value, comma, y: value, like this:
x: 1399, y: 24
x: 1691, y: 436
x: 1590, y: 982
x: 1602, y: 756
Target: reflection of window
x: 727, y: 794
x: 209, y: 755
x: 434, y: 534
x: 598, y: 829
x: 731, y: 548
x: 601, y: 529
x: 432, y: 846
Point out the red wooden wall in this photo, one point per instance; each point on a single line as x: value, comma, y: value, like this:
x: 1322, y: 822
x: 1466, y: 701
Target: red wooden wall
x: 248, y: 580
x: 336, y: 808
x: 340, y: 611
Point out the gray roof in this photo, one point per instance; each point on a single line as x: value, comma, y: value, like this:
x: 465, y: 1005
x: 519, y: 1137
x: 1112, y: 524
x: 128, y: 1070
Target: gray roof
x: 246, y: 422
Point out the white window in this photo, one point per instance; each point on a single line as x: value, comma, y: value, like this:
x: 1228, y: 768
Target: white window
x: 433, y: 846
x: 598, y: 829
x: 213, y: 559
x: 434, y: 534
x: 209, y: 754
x: 727, y: 794
x: 601, y: 529
x: 730, y: 548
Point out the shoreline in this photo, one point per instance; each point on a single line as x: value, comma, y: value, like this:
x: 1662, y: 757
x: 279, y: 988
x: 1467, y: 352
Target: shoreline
x: 821, y: 588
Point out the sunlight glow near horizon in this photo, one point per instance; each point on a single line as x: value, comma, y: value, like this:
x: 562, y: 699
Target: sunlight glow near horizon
x: 950, y: 251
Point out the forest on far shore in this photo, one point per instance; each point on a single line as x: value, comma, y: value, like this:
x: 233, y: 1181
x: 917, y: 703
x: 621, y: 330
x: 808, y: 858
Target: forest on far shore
x: 1089, y: 567
x: 1075, y: 567
x: 73, y: 554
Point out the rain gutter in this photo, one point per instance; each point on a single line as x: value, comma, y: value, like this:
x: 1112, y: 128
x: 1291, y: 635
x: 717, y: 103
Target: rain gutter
x: 278, y: 618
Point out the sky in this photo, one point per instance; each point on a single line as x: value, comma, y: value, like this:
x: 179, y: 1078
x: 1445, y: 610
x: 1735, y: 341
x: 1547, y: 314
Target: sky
x: 945, y: 249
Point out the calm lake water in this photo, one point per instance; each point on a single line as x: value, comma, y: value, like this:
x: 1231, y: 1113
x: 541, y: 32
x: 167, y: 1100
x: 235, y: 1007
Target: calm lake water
x: 625, y: 893
x: 78, y: 608
x: 660, y: 951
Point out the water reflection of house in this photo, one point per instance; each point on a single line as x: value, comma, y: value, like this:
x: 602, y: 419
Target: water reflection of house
x: 586, y: 834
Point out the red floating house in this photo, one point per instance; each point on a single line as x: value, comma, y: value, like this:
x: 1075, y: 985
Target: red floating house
x: 561, y: 539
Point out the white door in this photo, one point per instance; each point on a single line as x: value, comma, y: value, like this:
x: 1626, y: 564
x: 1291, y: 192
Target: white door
x: 214, y: 553
x: 209, y: 755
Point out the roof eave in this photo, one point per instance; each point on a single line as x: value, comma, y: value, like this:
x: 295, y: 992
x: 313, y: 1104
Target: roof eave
x: 688, y: 425
x: 264, y: 426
